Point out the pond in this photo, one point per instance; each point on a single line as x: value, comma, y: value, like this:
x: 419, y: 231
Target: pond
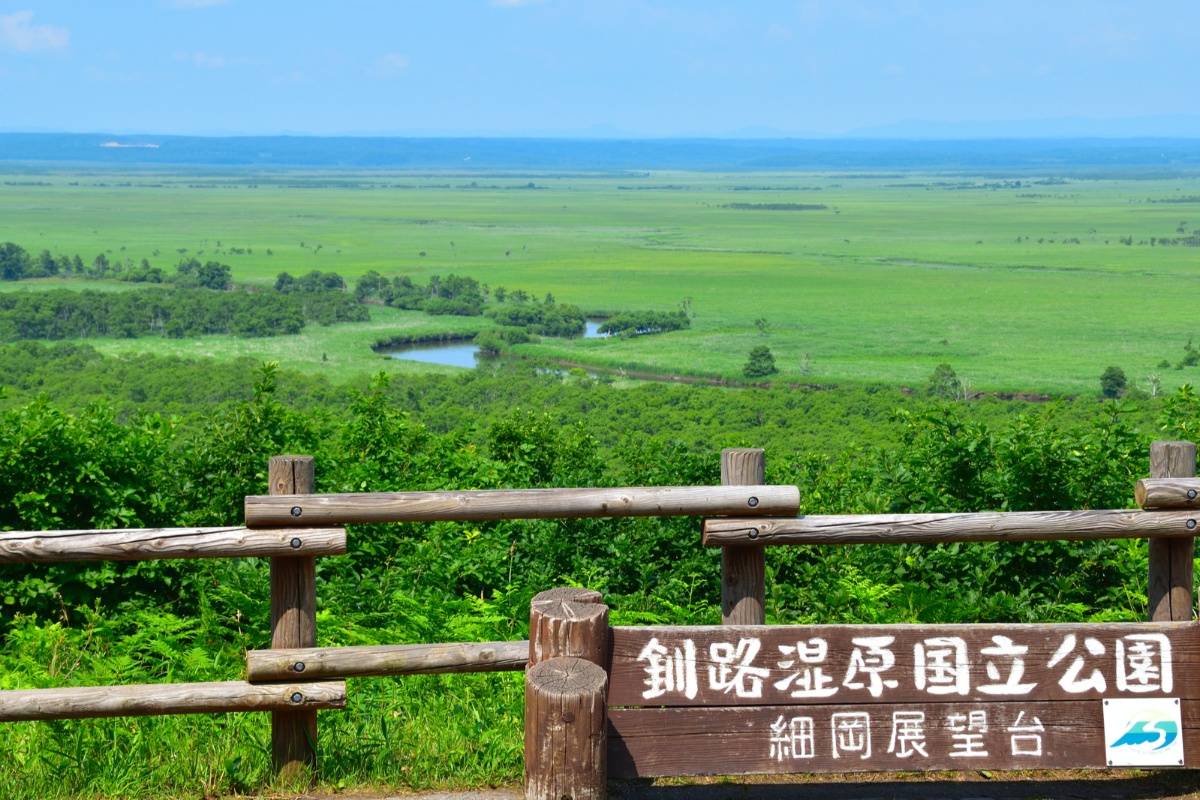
x: 461, y: 354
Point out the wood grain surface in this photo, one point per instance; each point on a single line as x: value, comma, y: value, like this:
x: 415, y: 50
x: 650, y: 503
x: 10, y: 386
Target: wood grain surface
x: 167, y: 698
x: 645, y: 501
x: 743, y: 569
x: 645, y: 743
x: 1013, y: 526
x: 145, y: 544
x: 293, y: 621
x: 313, y: 663
x: 1167, y: 492
x: 565, y: 730
x: 1169, y: 572
x: 650, y: 664
x: 568, y: 621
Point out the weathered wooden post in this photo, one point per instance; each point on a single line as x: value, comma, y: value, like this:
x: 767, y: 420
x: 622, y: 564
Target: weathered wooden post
x: 566, y: 692
x: 568, y: 621
x: 743, y: 569
x: 293, y: 623
x: 1169, y: 590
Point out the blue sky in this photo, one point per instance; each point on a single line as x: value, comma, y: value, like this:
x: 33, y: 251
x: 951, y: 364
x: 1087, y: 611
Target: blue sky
x: 609, y: 67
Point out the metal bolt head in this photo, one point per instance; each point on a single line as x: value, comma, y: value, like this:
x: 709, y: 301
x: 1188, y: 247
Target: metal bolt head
x: 1191, y: 494
x: 297, y: 511
x: 753, y: 533
x: 298, y: 666
x: 752, y: 502
x: 295, y: 544
x: 1191, y: 523
x: 568, y: 716
x: 297, y: 697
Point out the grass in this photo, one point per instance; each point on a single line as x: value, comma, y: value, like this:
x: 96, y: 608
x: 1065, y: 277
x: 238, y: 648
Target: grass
x: 894, y: 277
x: 338, y: 351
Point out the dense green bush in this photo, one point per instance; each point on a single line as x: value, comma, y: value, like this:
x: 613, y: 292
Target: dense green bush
x: 646, y: 322
x: 760, y: 363
x: 173, y: 313
x: 81, y: 624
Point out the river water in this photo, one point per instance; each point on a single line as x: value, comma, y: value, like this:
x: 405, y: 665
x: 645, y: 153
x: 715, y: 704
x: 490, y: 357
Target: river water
x: 460, y: 354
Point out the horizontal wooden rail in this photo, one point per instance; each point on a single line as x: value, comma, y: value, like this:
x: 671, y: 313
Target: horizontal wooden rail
x: 144, y: 544
x: 404, y: 659
x: 1018, y: 526
x: 645, y: 501
x: 167, y: 698
x: 1167, y: 492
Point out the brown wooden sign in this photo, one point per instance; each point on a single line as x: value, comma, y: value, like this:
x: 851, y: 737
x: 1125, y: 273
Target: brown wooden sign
x: 851, y: 738
x: 859, y: 664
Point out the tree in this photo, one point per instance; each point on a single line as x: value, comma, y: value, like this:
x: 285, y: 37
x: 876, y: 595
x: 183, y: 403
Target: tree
x: 944, y: 383
x: 763, y: 326
x: 13, y: 261
x: 1112, y: 382
x: 760, y: 364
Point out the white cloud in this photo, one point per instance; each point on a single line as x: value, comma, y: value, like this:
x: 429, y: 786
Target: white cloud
x: 389, y: 65
x: 17, y: 32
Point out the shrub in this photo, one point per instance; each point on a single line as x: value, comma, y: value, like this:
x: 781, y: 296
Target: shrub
x: 760, y: 363
x: 1112, y: 382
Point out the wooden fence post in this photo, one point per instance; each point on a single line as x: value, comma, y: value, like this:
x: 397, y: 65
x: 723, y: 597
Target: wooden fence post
x: 293, y: 624
x: 568, y: 621
x: 1169, y: 591
x: 566, y: 693
x: 743, y: 569
x: 566, y: 731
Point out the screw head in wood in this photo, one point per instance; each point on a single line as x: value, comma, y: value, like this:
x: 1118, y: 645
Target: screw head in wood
x: 753, y: 533
x: 297, y: 697
x: 1191, y: 494
x: 297, y: 511
x: 752, y: 502
x: 1191, y: 523
x: 568, y: 716
x: 298, y: 666
x: 295, y: 544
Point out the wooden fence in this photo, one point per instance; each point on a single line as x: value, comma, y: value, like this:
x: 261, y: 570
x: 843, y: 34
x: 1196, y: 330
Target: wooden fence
x: 630, y: 702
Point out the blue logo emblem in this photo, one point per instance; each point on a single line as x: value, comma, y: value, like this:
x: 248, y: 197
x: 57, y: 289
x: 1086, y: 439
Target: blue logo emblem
x: 1149, y: 730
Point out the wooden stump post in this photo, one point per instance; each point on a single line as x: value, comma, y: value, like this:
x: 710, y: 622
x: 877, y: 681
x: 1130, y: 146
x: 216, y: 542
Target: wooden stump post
x: 566, y: 736
x: 568, y: 621
x: 566, y: 693
x: 1169, y: 590
x: 293, y: 624
x: 743, y: 569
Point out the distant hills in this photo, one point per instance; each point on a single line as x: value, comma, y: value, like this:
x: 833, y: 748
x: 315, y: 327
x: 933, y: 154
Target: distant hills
x: 867, y: 153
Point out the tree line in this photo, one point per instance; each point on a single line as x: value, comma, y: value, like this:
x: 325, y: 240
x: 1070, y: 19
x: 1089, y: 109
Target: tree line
x: 181, y: 310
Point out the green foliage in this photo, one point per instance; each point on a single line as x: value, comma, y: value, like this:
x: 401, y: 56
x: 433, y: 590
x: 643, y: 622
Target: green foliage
x: 191, y: 274
x: 760, y: 364
x: 646, y: 322
x: 193, y: 620
x: 315, y: 282
x: 1112, y: 382
x: 944, y: 383
x: 172, y: 313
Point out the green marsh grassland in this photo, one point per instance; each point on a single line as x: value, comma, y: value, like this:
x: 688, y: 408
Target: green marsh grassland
x: 897, y: 273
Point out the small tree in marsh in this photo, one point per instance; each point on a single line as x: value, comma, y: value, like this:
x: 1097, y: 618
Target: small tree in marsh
x: 760, y: 364
x: 1112, y: 382
x: 944, y: 383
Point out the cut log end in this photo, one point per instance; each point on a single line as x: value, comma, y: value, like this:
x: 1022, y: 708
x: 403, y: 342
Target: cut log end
x: 573, y: 594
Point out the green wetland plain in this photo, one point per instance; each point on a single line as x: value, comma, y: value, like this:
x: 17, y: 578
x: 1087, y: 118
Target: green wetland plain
x: 860, y: 283
x: 1021, y: 283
